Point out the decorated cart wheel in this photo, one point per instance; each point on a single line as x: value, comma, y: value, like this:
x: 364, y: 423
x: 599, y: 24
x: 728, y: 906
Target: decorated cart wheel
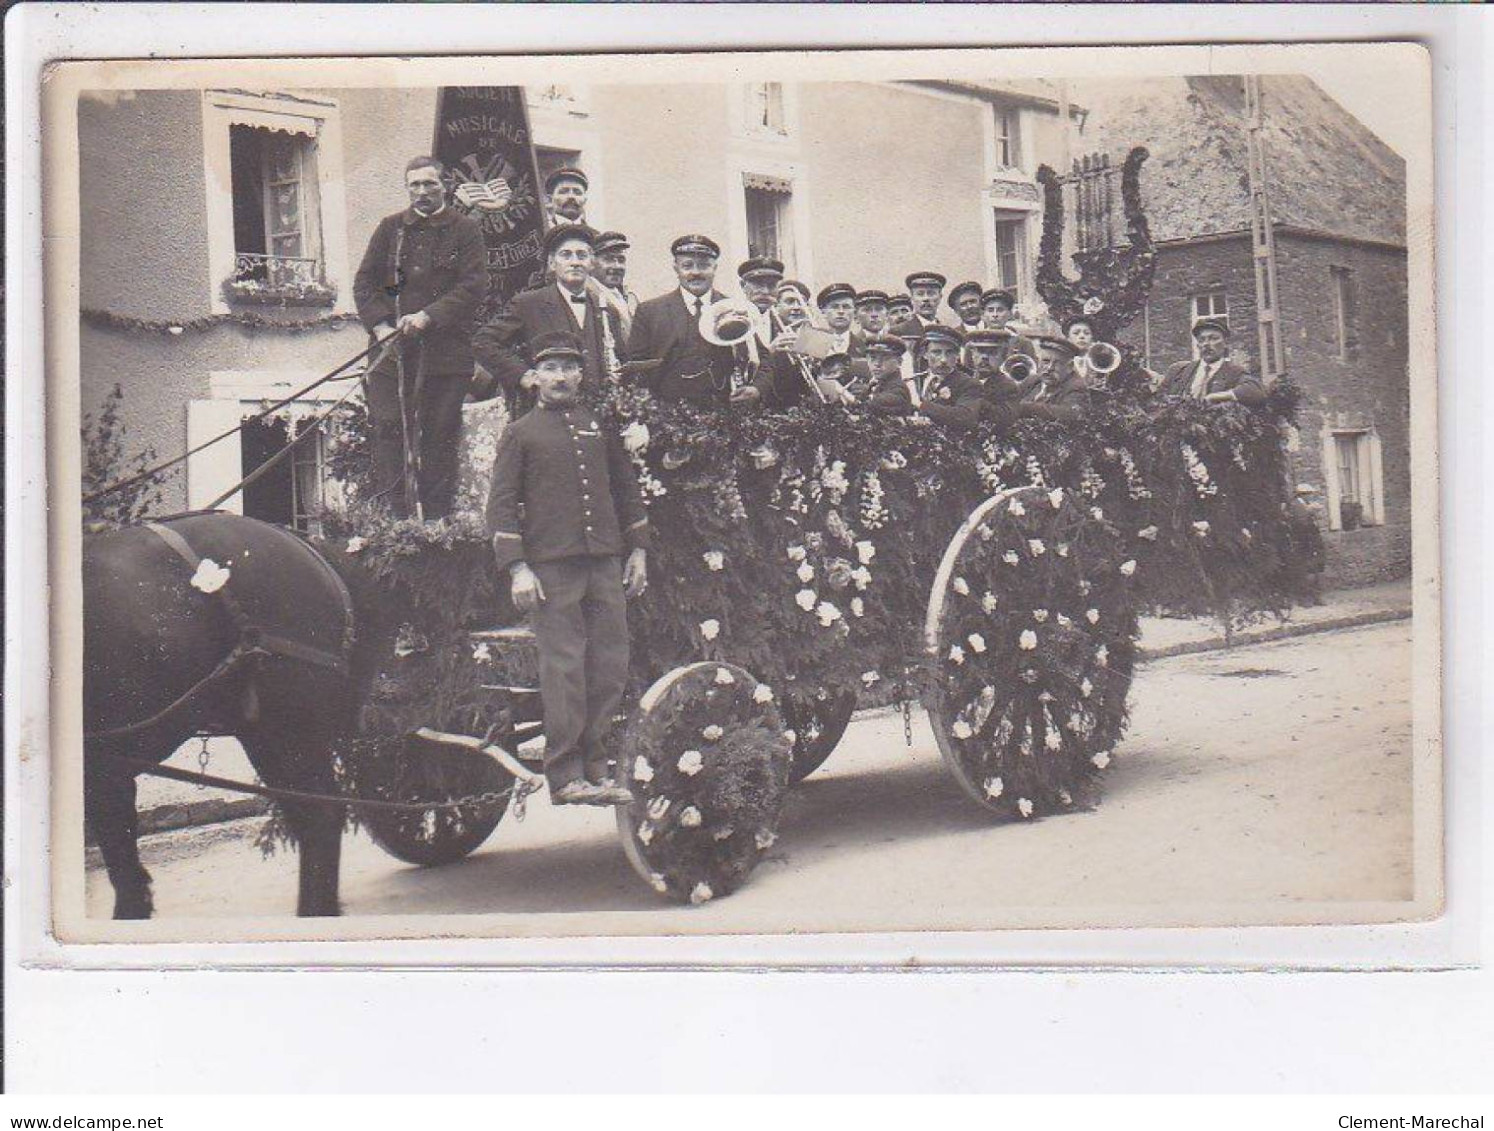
x: 818, y: 726
x: 429, y: 773
x: 708, y: 759
x: 1031, y: 635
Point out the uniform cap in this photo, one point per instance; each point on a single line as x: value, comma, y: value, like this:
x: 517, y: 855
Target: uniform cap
x: 982, y: 338
x: 834, y: 291
x: 611, y: 241
x: 760, y: 267
x: 941, y: 333
x: 566, y: 174
x: 695, y: 245
x: 885, y: 343
x: 1053, y: 341
x: 868, y: 298
x: 792, y: 285
x: 562, y: 232
x: 900, y: 300
x: 556, y: 343
x: 996, y: 294
x: 925, y: 278
x: 1211, y: 324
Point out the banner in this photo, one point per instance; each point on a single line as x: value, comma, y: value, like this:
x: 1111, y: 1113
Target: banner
x: 483, y: 139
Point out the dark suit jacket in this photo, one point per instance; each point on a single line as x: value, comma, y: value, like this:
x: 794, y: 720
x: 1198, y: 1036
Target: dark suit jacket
x: 1229, y: 376
x: 691, y: 369
x: 1067, y: 400
x: 959, y: 401
x: 442, y: 270
x: 502, y: 346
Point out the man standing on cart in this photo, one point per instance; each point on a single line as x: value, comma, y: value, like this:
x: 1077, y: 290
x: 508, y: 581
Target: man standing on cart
x: 564, y: 510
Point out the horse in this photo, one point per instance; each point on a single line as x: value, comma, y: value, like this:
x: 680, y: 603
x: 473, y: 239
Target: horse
x: 213, y: 623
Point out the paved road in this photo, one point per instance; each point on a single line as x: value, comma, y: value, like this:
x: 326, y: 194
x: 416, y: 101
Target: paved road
x: 1252, y: 783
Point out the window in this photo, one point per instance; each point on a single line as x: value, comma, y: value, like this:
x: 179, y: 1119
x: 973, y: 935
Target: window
x: 276, y: 222
x: 277, y: 227
x: 1343, y: 310
x: 1006, y: 138
x: 769, y: 207
x: 1211, y: 305
x: 292, y: 493
x: 1351, y: 464
x: 1009, y: 239
x: 765, y: 108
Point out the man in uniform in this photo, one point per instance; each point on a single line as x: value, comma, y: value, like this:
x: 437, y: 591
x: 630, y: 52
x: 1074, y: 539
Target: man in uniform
x: 423, y: 274
x: 884, y: 391
x: 899, y: 309
x: 871, y: 313
x: 611, y: 253
x: 563, y: 510
x: 964, y: 300
x: 1061, y: 394
x: 837, y: 304
x: 985, y: 350
x: 927, y: 288
x: 791, y: 301
x: 565, y: 196
x: 949, y: 395
x: 567, y: 304
x: 997, y: 307
x: 667, y: 329
x: 1213, y: 377
x: 759, y: 277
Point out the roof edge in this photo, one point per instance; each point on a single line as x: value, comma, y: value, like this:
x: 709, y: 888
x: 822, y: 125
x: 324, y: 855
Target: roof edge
x: 1004, y: 97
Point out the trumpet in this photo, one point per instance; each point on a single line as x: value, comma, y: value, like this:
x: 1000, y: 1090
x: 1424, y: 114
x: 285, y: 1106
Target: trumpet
x: 1102, y: 358
x: 778, y: 326
x: 1018, y: 367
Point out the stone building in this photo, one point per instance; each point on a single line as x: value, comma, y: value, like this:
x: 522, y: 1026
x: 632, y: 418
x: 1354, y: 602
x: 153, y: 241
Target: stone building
x: 1337, y: 196
x: 221, y: 228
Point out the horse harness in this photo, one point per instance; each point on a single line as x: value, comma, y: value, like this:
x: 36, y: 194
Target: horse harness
x: 253, y: 645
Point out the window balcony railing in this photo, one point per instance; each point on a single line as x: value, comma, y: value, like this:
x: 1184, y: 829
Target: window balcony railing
x: 284, y: 280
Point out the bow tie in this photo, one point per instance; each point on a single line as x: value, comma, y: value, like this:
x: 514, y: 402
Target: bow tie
x: 579, y: 300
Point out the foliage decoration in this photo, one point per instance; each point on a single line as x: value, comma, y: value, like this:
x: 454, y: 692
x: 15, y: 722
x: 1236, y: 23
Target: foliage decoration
x: 104, y: 463
x: 707, y: 759
x: 253, y: 320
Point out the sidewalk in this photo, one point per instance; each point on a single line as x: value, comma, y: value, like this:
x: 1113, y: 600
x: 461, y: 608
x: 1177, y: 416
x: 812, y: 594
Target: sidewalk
x: 168, y: 805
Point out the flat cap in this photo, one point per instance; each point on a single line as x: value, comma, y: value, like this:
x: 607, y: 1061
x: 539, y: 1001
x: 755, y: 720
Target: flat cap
x: 900, y: 301
x: 1054, y: 342
x: 982, y: 338
x: 1210, y: 324
x: 885, y: 343
x: 562, y: 232
x: 695, y: 245
x: 792, y: 285
x: 961, y: 290
x: 996, y: 294
x: 948, y: 335
x: 871, y: 298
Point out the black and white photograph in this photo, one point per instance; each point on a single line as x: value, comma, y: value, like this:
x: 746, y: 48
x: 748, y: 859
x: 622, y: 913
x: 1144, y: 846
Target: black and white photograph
x: 743, y: 495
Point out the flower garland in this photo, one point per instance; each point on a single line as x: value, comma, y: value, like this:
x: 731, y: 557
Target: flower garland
x: 108, y: 319
x: 707, y: 760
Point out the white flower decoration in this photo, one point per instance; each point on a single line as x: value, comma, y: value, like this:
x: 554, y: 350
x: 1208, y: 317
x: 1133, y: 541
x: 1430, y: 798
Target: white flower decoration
x: 710, y: 629
x: 796, y: 553
x: 356, y: 543
x: 1128, y: 567
x: 827, y: 613
x: 806, y: 573
x: 858, y: 607
x: 1024, y: 806
x: 1040, y: 615
x: 764, y: 839
x: 1010, y: 557
x: 691, y: 763
x: 962, y: 729
x: 861, y: 576
x: 1093, y: 305
x: 1092, y: 615
x: 690, y: 817
x: 988, y: 602
x: 865, y: 552
x: 806, y: 599
x: 956, y: 654
x: 1102, y: 657
x: 646, y: 832
x: 642, y: 771
x: 715, y: 560
x: 993, y: 789
x: 961, y: 586
x: 712, y: 733
x: 1055, y: 497
x: 701, y: 893
x: 1097, y: 514
x: 1065, y: 798
x: 1036, y: 546
x: 1086, y: 688
x: 1016, y: 509
x: 977, y: 642
x: 986, y: 532
x: 870, y: 678
x: 724, y: 677
x: 1063, y: 620
x: 1201, y: 528
x: 1028, y: 640
x: 635, y: 436
x: 762, y: 693
x: 1053, y: 740
x: 210, y: 576
x: 791, y: 735
x: 1101, y: 760
x: 1063, y: 549
x: 657, y: 808
x: 1084, y: 588
x: 481, y: 653
x: 657, y: 881
x: 1147, y: 532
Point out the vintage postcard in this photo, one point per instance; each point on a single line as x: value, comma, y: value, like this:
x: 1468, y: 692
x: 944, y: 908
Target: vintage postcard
x: 745, y: 495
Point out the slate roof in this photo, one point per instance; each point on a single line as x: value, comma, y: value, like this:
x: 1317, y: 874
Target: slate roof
x: 1328, y: 173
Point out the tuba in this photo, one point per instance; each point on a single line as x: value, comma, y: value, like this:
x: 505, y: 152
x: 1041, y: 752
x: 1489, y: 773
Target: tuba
x: 1018, y: 367
x: 1102, y: 359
